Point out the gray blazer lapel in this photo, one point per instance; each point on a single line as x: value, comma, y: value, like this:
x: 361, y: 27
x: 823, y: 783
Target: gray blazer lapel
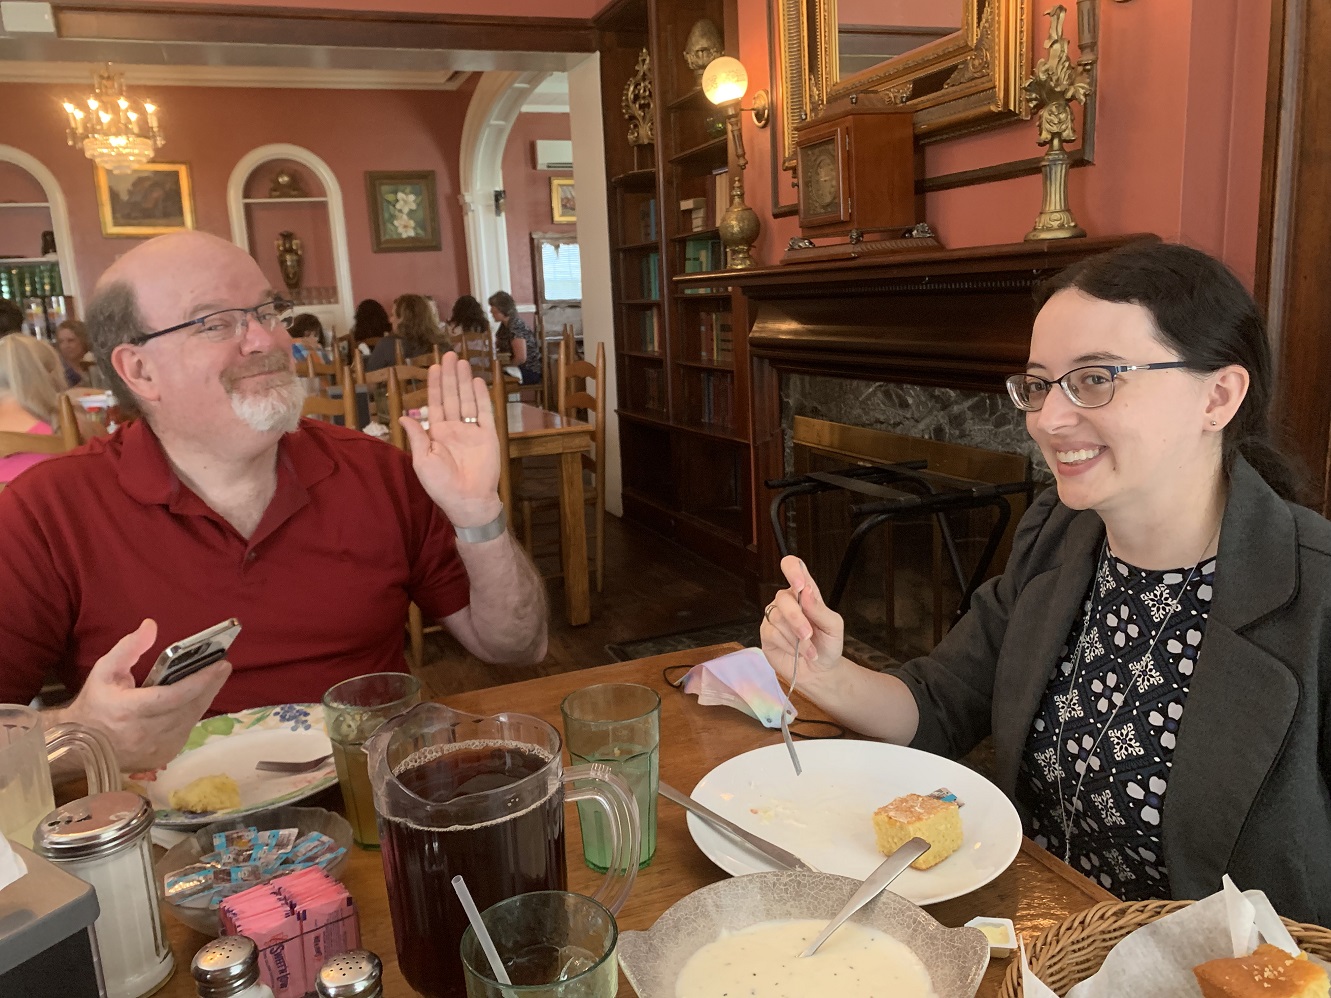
x: 1049, y: 604
x: 1242, y: 700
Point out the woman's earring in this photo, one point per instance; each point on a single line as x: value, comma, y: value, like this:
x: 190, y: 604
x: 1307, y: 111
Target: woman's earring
x: 1213, y: 422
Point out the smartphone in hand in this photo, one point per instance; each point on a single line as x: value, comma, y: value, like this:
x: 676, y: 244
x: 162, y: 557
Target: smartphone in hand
x: 184, y: 658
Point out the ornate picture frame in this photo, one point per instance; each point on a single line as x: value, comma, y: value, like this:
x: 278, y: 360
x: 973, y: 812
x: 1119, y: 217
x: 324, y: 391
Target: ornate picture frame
x: 150, y: 200
x: 563, y: 201
x: 404, y: 211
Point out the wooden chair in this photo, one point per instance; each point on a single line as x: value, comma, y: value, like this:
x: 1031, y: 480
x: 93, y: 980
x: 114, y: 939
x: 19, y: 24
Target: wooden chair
x: 398, y: 403
x: 322, y: 407
x: 426, y: 359
x: 36, y: 443
x: 328, y: 372
x: 575, y: 376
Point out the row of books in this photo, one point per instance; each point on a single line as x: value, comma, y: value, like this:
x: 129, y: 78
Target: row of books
x: 706, y: 212
x: 702, y: 256
x: 653, y: 397
x: 716, y: 337
x: 717, y: 400
x: 651, y: 276
x: 647, y: 221
x: 648, y: 332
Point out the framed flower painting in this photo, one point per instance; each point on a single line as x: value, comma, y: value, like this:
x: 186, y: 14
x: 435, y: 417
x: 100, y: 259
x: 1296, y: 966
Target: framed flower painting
x: 404, y: 211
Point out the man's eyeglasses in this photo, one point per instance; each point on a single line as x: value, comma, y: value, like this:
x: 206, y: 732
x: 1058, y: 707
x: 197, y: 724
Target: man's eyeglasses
x: 1088, y: 387
x: 230, y: 323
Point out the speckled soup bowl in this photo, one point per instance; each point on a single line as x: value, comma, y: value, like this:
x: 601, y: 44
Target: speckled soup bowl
x: 652, y: 960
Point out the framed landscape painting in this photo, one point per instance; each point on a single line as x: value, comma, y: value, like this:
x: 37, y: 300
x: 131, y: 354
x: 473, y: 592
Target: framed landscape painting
x: 149, y: 200
x: 404, y: 211
x: 563, y: 205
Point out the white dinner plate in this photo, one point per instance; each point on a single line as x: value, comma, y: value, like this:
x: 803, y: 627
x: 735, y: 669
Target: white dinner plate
x: 232, y: 744
x: 825, y: 816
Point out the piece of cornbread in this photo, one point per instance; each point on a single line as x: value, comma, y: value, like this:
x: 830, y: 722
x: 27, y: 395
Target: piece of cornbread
x: 936, y: 821
x: 207, y: 793
x: 1269, y: 971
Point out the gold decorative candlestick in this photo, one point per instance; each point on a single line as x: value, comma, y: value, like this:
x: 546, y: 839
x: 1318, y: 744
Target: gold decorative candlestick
x: 1057, y: 82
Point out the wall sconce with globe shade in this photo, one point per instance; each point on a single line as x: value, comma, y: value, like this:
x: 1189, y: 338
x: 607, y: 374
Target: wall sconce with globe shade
x: 724, y: 82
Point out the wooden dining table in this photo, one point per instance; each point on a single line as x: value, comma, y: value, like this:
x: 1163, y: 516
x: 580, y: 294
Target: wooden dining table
x: 533, y: 432
x: 1036, y: 891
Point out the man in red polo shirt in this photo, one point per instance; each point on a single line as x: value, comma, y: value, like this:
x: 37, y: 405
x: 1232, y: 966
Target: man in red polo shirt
x: 221, y: 502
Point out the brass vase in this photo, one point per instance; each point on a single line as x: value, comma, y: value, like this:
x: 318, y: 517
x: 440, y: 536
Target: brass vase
x: 290, y: 259
x: 739, y: 229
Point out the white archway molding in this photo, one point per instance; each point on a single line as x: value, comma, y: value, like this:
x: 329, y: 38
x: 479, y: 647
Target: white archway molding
x: 495, y: 105
x: 55, y: 197
x: 337, y: 218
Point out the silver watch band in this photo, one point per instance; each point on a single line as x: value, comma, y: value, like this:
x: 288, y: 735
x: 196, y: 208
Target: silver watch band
x: 485, y: 532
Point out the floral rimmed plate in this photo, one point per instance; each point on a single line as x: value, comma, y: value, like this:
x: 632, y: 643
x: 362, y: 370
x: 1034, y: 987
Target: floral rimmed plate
x: 232, y: 744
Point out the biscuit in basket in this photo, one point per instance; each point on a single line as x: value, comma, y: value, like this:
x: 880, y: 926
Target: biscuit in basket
x: 1269, y: 971
x: 936, y: 821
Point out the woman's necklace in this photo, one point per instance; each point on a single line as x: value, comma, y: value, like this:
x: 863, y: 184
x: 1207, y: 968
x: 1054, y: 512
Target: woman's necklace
x: 1066, y: 813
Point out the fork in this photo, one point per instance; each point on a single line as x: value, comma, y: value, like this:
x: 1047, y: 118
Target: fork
x: 785, y: 716
x: 279, y: 766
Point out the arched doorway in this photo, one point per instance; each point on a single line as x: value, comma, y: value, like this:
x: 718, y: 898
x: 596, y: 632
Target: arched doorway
x: 55, y: 203
x: 337, y: 313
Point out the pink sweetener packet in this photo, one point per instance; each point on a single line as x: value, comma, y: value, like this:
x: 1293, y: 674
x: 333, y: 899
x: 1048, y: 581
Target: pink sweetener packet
x: 276, y: 932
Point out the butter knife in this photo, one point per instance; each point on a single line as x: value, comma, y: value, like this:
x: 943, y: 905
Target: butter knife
x: 782, y: 858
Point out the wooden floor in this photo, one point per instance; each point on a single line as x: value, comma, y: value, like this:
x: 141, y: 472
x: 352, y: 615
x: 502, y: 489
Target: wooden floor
x: 652, y: 587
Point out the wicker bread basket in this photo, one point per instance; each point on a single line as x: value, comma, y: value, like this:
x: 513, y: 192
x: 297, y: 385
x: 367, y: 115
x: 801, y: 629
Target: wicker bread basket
x: 1066, y: 954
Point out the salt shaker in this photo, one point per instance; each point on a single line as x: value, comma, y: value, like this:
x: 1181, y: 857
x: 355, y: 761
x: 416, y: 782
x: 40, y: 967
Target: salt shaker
x: 229, y: 968
x: 103, y: 840
x: 357, y: 973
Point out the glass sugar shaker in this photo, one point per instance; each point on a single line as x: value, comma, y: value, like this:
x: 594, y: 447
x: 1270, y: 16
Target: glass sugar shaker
x: 229, y: 968
x: 103, y: 840
x: 357, y: 973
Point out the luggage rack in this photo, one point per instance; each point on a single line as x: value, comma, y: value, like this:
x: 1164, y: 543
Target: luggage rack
x: 888, y: 491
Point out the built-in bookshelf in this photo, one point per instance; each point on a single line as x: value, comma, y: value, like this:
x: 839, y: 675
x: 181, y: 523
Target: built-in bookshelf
x: 681, y: 354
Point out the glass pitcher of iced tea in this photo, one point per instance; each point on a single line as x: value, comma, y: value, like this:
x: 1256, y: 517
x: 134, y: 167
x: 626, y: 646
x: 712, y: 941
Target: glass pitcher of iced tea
x: 483, y: 797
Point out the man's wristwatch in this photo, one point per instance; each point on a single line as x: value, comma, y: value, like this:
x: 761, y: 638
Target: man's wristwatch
x: 485, y: 532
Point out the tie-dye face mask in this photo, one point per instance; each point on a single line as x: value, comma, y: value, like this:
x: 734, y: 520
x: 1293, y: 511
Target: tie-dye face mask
x: 743, y: 680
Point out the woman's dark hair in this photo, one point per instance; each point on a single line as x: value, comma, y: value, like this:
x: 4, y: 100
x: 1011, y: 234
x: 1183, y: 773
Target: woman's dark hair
x: 468, y: 316
x: 371, y: 320
x: 416, y: 327
x: 503, y: 301
x: 305, y: 324
x: 1206, y: 317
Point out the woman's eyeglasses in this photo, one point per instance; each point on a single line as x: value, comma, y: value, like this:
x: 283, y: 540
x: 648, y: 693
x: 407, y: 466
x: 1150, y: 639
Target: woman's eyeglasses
x: 231, y: 323
x: 1087, y: 387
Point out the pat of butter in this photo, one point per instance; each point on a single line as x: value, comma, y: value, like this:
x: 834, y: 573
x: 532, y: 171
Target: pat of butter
x: 1000, y: 932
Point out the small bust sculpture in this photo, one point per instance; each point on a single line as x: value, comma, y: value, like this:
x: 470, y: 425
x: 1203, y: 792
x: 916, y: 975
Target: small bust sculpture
x: 702, y: 46
x: 286, y: 185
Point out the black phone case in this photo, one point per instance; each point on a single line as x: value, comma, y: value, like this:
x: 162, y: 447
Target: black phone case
x: 193, y: 666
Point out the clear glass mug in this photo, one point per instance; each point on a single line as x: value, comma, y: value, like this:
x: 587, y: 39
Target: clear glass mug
x: 26, y: 754
x: 483, y: 797
x: 552, y: 943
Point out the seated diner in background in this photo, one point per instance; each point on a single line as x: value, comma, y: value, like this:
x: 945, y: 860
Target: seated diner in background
x: 220, y: 501
x: 29, y: 397
x: 1154, y: 664
x: 414, y: 327
x: 307, y: 335
x: 71, y: 339
x: 369, y: 324
x: 514, y: 338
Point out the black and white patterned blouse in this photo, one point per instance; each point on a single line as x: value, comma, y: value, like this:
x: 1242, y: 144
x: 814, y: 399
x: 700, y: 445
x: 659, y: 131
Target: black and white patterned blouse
x: 1116, y: 736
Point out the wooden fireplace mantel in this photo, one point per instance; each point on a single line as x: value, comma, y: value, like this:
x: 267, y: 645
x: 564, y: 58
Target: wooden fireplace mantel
x: 957, y: 318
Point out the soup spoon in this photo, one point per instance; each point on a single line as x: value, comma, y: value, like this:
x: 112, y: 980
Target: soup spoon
x: 888, y: 871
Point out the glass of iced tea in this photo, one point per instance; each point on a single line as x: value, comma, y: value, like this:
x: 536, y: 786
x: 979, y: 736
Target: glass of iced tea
x: 618, y: 724
x: 353, y: 711
x: 483, y: 797
x: 552, y: 943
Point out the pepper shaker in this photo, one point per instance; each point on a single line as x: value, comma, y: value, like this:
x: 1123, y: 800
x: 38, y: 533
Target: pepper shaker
x: 229, y: 968
x: 103, y: 840
x: 357, y: 973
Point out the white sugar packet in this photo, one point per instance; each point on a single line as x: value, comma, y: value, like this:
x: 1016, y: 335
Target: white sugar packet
x: 1156, y: 961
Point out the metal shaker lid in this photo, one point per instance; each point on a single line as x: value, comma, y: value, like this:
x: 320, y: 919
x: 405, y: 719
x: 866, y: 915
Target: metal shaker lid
x: 93, y: 826
x: 354, y: 974
x: 226, y: 967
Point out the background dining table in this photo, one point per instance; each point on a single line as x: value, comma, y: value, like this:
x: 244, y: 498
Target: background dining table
x: 1036, y: 891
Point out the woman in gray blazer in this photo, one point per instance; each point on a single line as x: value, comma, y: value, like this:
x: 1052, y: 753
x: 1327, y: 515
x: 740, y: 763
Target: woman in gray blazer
x: 1152, y: 663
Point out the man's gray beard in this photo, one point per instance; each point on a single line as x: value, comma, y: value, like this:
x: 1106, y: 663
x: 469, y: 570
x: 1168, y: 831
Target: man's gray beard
x: 277, y: 408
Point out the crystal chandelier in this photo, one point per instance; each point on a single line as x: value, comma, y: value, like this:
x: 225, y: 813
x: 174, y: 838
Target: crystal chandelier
x: 116, y: 131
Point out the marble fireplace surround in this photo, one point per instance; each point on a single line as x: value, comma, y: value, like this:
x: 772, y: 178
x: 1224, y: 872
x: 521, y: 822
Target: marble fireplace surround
x: 916, y: 342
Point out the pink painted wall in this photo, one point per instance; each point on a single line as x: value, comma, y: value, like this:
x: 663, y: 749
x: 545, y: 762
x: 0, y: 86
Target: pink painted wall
x: 1179, y: 143
x: 493, y: 8
x: 901, y: 13
x: 528, y: 207
x: 211, y: 129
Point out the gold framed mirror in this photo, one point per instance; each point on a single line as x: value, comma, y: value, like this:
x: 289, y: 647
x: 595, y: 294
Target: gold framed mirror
x: 958, y: 64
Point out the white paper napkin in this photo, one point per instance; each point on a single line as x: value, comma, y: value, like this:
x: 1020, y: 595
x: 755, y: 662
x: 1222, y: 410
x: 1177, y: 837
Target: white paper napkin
x: 11, y: 864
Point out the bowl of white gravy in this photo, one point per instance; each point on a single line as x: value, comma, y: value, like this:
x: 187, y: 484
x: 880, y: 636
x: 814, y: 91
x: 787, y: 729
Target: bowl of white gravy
x: 744, y: 935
